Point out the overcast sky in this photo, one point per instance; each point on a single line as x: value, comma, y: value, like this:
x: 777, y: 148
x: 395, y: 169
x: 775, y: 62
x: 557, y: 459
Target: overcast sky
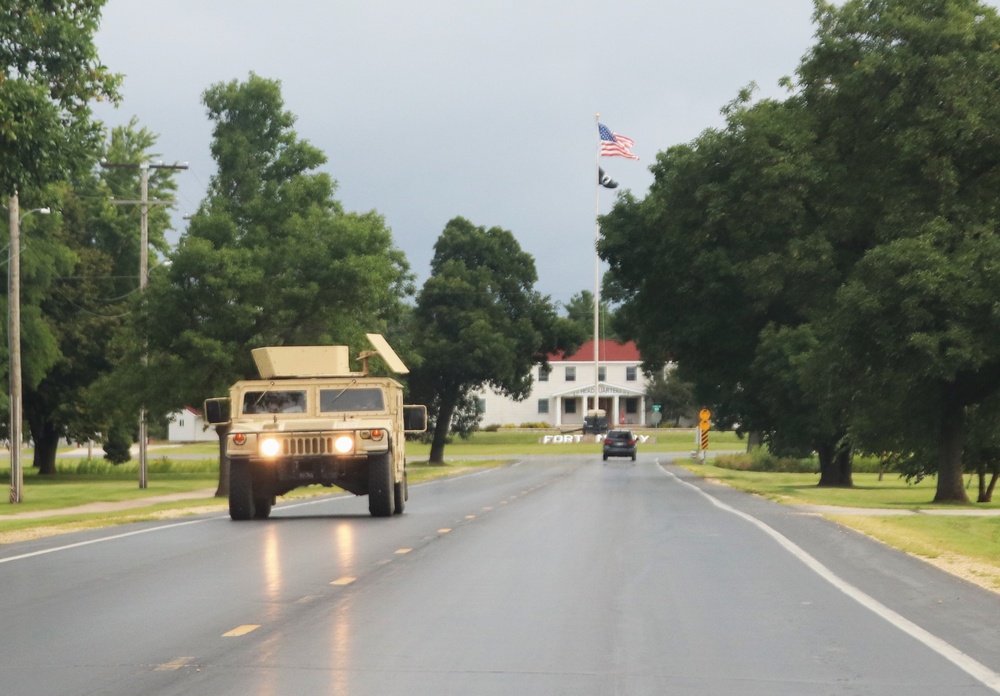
x: 432, y: 109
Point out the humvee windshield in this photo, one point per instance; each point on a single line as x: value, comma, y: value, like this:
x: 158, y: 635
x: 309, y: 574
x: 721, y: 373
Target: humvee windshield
x: 364, y: 399
x: 290, y: 401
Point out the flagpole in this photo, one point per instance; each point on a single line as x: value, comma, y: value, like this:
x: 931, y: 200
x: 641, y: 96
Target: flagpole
x: 597, y: 273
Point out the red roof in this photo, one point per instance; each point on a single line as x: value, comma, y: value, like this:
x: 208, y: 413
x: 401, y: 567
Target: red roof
x: 610, y: 351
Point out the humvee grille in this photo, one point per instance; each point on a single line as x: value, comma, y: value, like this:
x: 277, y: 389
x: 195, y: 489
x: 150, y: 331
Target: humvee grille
x: 307, y: 445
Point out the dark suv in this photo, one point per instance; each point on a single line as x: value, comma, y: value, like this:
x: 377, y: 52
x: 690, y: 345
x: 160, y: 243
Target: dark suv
x: 619, y: 443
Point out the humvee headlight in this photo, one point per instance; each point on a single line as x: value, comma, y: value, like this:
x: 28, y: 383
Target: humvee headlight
x: 269, y: 447
x: 344, y: 444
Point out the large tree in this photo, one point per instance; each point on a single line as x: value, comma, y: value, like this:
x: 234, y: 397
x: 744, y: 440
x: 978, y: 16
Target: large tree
x: 723, y: 253
x: 479, y: 323
x: 907, y: 95
x: 270, y: 258
x: 50, y: 74
x: 837, y: 250
x: 80, y: 273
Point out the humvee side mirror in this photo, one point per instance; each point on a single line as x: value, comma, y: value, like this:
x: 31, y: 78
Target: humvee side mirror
x: 414, y: 419
x: 217, y: 411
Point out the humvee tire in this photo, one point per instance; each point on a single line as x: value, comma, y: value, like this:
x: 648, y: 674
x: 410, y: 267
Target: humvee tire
x: 262, y: 507
x: 380, y: 485
x: 400, y: 493
x: 241, y: 504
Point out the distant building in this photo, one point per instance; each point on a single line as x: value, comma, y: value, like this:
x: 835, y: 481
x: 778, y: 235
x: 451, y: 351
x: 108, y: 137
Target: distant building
x: 189, y: 426
x: 562, y: 394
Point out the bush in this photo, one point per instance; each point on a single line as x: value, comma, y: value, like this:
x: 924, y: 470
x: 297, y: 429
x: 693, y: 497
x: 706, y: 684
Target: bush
x: 759, y: 459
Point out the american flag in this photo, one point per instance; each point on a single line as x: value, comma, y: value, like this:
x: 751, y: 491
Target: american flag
x: 615, y: 144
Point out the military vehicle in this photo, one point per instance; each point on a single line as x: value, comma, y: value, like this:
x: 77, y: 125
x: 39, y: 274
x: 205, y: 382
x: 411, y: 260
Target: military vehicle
x: 310, y: 420
x: 596, y: 421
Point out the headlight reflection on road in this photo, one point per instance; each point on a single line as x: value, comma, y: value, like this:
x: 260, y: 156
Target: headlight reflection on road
x: 345, y: 548
x: 341, y: 658
x: 273, y: 581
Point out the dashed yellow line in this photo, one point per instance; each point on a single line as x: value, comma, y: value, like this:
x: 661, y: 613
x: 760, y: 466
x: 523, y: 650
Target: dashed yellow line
x: 241, y: 630
x: 343, y: 581
x: 402, y: 551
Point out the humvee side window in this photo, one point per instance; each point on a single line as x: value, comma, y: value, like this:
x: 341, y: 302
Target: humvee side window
x: 340, y: 399
x: 274, y: 402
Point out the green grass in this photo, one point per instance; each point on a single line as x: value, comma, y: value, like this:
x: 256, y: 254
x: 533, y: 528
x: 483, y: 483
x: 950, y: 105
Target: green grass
x: 892, y: 492
x: 529, y: 441
x: 966, y: 545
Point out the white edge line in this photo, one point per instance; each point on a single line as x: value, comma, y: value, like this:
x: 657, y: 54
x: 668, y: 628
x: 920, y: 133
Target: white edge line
x: 964, y: 662
x: 67, y: 547
x: 101, y: 540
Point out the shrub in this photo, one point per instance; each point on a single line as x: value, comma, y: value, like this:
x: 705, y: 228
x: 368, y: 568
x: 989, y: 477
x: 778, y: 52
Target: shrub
x: 759, y: 459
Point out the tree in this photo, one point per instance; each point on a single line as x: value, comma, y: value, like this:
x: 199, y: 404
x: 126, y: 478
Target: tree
x: 580, y: 311
x: 733, y: 213
x: 270, y: 259
x: 80, y: 270
x: 51, y: 73
x: 905, y: 96
x: 673, y: 395
x: 479, y: 323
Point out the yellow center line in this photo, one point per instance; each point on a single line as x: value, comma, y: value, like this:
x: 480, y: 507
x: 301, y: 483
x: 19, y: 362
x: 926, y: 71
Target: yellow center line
x: 401, y: 551
x: 241, y: 630
x: 444, y: 530
x: 343, y: 581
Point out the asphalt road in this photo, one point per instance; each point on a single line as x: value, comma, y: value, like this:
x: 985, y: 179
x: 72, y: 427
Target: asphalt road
x: 559, y: 575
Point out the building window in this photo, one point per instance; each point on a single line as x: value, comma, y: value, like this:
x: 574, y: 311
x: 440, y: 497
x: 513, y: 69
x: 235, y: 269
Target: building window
x: 631, y: 374
x: 543, y: 405
x: 543, y: 373
x: 631, y: 406
x: 602, y: 374
x: 180, y: 422
x: 570, y: 374
x: 569, y: 406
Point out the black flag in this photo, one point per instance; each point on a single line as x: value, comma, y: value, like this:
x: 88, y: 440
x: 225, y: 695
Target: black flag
x: 605, y: 180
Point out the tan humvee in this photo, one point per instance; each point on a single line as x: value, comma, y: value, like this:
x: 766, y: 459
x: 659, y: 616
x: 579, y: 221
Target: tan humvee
x: 311, y: 420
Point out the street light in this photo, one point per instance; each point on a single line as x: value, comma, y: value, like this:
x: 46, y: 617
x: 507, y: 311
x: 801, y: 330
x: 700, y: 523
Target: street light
x: 14, y: 338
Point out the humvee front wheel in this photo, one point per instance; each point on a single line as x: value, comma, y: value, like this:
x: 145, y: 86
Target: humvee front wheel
x: 380, y: 486
x: 400, y: 493
x: 241, y: 505
x: 262, y: 507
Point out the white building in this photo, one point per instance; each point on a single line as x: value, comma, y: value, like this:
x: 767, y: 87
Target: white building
x: 189, y: 426
x: 562, y: 395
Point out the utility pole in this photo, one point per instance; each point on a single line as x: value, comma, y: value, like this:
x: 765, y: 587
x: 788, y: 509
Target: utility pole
x: 14, y: 347
x: 143, y: 204
x: 14, y: 344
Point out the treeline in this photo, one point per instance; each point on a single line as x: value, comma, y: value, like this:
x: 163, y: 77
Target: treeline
x: 825, y: 268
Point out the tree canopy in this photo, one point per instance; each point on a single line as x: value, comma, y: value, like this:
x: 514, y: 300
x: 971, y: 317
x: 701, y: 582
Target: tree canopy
x: 836, y: 249
x: 271, y: 258
x: 479, y: 323
x: 51, y: 74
